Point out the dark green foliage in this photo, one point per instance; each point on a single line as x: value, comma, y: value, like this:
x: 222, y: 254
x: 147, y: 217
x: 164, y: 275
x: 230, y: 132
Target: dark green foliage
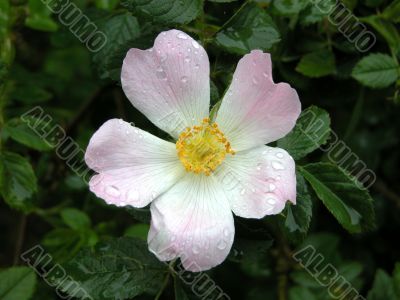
x: 350, y: 96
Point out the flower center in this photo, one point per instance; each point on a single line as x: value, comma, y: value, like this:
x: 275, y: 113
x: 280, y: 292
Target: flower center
x: 202, y: 148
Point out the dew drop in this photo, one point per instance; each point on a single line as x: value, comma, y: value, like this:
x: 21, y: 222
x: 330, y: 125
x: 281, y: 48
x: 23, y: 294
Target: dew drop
x: 271, y: 201
x: 196, y: 66
x: 163, y: 57
x: 189, y: 50
x: 265, y: 74
x: 255, y: 81
x: 161, y: 74
x: 113, y: 191
x: 242, y: 192
x: 277, y: 165
x: 181, y: 36
x: 136, y: 130
x: 226, y: 232
x: 195, y: 44
x: 196, y: 249
x: 258, y: 167
x: 187, y: 59
x: 221, y: 245
x: 272, y: 187
x: 279, y: 155
x: 184, y: 79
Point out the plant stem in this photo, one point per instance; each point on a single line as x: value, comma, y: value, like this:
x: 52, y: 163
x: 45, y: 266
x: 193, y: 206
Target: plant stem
x: 20, y: 239
x: 164, y: 285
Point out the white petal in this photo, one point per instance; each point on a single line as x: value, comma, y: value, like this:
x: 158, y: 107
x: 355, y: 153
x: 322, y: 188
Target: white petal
x: 193, y: 221
x: 169, y: 83
x: 256, y: 111
x: 134, y: 166
x: 259, y: 181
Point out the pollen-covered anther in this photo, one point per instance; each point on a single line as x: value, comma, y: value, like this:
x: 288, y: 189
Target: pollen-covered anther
x: 203, y: 148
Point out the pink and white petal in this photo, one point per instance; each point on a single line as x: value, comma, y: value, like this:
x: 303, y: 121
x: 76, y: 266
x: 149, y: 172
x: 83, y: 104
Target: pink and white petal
x: 133, y: 166
x: 256, y: 111
x: 169, y: 83
x: 258, y: 182
x: 193, y: 221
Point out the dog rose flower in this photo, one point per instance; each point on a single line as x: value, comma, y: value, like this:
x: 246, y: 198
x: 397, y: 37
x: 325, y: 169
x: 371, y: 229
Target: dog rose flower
x: 215, y: 168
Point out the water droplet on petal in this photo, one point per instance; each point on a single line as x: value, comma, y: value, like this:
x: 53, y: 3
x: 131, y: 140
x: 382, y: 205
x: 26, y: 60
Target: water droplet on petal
x: 272, y: 187
x: 195, y: 44
x: 226, y: 232
x: 271, y: 201
x: 184, y: 79
x: 279, y: 155
x: 196, y: 249
x: 196, y: 66
x: 277, y: 165
x: 221, y: 245
x: 161, y: 74
x: 182, y: 36
x: 242, y: 192
x: 113, y: 191
x: 255, y: 81
x: 187, y: 59
x: 259, y: 167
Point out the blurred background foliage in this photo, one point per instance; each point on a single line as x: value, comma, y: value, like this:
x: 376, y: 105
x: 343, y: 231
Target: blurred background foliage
x: 43, y: 64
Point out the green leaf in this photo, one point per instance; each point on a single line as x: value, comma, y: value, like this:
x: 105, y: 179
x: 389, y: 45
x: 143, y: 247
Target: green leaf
x: 376, y: 70
x: 311, y: 131
x: 396, y: 278
x: 301, y: 293
x: 18, y: 181
x: 298, y: 217
x: 383, y: 287
x: 20, y: 131
x: 17, y: 283
x: 138, y: 231
x: 117, y: 269
x: 341, y: 194
x: 121, y: 30
x: 75, y: 219
x: 289, y: 7
x: 251, y: 28
x: 167, y: 12
x: 386, y: 29
x: 316, y: 11
x: 392, y: 12
x: 39, y: 17
x: 317, y: 64
x: 30, y: 93
x: 4, y: 18
x: 106, y: 4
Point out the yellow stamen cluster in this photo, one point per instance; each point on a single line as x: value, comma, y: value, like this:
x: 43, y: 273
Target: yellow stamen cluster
x: 202, y: 148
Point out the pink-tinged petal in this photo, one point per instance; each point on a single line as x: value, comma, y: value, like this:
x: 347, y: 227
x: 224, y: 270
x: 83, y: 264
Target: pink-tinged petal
x: 255, y: 110
x: 169, y: 83
x: 258, y: 182
x: 193, y: 221
x: 134, y: 166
